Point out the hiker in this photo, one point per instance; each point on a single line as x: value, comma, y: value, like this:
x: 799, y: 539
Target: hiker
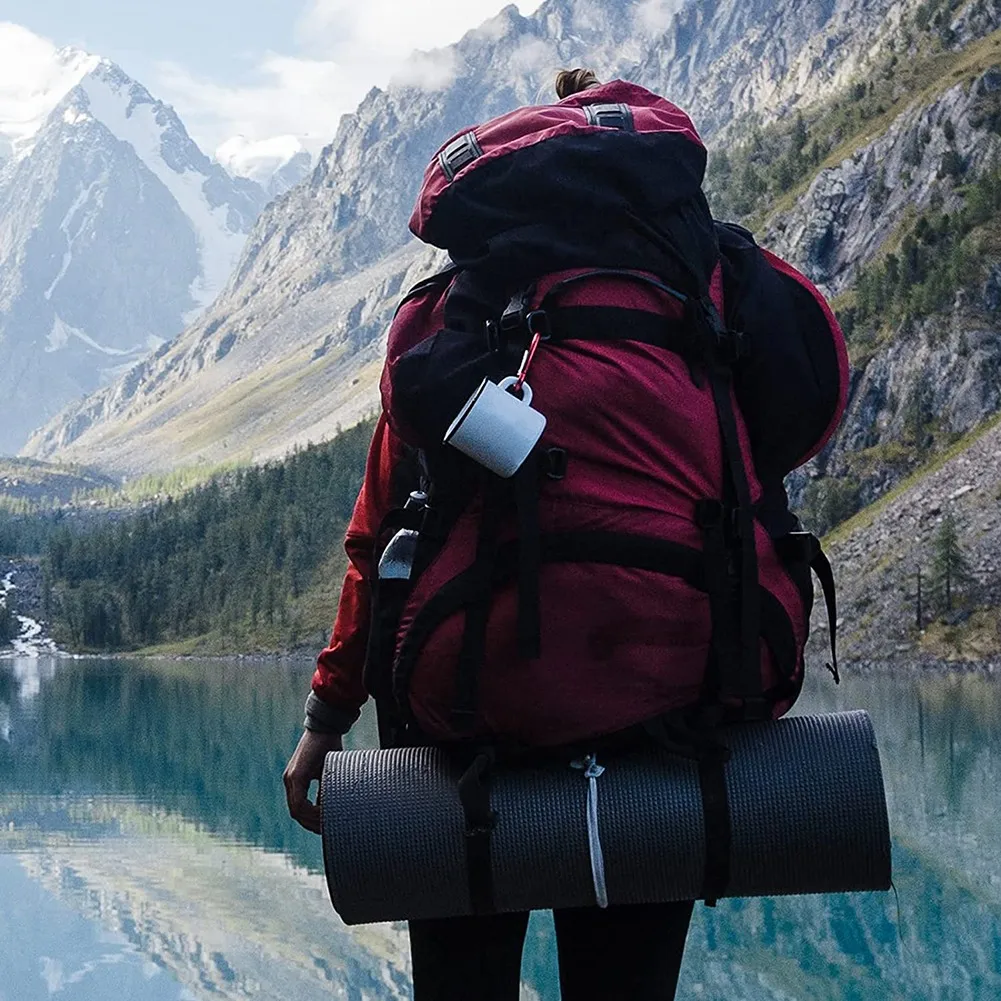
x: 639, y: 570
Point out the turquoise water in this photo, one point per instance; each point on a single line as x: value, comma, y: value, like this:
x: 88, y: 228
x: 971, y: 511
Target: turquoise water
x: 145, y: 852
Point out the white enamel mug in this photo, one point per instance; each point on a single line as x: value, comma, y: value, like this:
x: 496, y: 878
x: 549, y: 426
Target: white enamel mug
x: 496, y: 428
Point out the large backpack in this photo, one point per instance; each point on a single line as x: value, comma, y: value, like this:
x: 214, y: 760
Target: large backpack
x: 643, y: 561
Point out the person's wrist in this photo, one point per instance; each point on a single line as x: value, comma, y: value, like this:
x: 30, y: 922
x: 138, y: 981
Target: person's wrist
x: 321, y: 717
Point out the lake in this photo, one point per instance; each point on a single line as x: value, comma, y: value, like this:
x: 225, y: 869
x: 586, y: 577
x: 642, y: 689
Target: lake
x: 145, y: 851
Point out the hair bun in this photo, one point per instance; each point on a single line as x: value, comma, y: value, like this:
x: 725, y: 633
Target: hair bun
x: 574, y: 81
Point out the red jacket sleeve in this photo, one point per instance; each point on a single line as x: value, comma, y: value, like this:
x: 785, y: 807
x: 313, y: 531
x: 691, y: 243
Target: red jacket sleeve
x: 338, y: 678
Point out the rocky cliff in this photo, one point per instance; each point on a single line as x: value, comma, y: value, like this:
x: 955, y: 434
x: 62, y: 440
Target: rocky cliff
x: 291, y: 349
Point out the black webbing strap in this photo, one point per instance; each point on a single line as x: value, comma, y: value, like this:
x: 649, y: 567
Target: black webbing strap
x: 725, y: 627
x: 744, y: 676
x: 615, y: 323
x: 716, y: 821
x: 821, y: 566
x: 526, y: 493
x: 696, y: 737
x: 636, y: 276
x: 474, y: 795
x: 474, y: 634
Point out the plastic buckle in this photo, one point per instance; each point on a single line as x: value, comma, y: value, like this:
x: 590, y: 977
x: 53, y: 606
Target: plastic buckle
x: 514, y: 313
x: 736, y: 529
x: 538, y: 324
x: 493, y: 336
x: 556, y: 463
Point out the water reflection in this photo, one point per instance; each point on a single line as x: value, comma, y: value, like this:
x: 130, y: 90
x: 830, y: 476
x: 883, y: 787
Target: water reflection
x: 140, y: 805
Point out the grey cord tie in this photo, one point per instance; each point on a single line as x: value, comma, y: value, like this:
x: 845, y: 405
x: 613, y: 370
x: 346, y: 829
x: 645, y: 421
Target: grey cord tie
x: 592, y: 772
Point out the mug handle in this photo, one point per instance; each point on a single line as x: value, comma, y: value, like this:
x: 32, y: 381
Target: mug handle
x: 526, y: 389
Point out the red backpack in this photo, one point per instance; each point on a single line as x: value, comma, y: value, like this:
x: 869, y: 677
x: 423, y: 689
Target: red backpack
x: 643, y: 561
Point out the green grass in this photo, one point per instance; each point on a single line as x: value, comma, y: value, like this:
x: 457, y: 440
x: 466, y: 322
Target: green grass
x: 865, y: 517
x: 976, y: 639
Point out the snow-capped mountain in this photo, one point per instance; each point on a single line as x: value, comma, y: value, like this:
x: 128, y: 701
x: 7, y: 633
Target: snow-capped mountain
x: 116, y: 231
x: 277, y: 164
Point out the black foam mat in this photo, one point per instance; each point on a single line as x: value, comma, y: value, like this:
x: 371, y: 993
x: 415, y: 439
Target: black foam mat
x: 808, y: 815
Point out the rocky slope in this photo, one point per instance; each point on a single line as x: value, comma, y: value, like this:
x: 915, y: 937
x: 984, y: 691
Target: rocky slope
x: 879, y: 554
x: 115, y: 232
x: 275, y: 360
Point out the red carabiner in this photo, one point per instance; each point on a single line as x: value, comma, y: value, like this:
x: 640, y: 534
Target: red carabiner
x: 539, y: 320
x: 526, y: 363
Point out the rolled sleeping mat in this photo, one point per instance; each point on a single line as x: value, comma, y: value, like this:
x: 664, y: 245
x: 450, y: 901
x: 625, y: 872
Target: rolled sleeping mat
x: 805, y: 798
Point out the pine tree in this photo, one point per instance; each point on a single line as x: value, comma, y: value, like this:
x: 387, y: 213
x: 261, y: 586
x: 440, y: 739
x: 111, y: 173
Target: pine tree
x: 950, y: 569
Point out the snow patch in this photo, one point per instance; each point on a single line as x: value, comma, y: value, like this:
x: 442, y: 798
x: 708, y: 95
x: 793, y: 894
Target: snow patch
x: 61, y: 333
x: 136, y: 124
x: 73, y: 116
x: 79, y: 202
x: 258, y: 160
x: 59, y: 336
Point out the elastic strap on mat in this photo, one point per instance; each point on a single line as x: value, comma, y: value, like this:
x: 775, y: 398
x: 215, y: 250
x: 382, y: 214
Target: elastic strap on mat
x: 716, y: 817
x: 474, y: 795
x: 592, y: 772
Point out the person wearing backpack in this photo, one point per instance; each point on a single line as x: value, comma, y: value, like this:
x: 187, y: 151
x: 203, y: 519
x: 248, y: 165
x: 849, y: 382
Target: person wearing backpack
x: 638, y: 575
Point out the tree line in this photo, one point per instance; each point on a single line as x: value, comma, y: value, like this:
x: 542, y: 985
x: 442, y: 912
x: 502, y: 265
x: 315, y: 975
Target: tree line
x: 231, y: 557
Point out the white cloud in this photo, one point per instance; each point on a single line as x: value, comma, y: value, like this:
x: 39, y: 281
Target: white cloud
x: 433, y: 70
x: 533, y: 56
x: 385, y: 32
x: 345, y: 48
x: 290, y: 96
x: 257, y: 160
x: 34, y: 77
x: 655, y: 16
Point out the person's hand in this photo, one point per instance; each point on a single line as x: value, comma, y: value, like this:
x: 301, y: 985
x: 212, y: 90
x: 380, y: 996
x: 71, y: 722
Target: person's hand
x: 305, y: 765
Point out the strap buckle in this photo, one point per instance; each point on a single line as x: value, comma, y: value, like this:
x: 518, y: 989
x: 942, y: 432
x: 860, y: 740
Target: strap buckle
x: 515, y: 312
x: 556, y: 463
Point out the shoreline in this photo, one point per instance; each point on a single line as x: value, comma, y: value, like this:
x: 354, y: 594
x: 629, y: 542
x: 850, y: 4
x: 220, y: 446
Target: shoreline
x: 848, y: 667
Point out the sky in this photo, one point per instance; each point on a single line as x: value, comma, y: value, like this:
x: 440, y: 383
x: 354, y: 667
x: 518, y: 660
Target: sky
x: 251, y: 68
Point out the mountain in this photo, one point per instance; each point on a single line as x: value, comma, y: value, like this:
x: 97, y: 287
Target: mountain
x: 115, y: 232
x: 856, y: 137
x: 277, y: 164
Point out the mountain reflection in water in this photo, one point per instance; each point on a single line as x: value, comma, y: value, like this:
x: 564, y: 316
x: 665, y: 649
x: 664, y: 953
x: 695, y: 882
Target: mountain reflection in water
x: 145, y: 851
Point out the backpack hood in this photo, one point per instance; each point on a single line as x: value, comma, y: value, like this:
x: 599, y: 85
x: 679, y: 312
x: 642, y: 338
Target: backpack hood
x: 571, y: 184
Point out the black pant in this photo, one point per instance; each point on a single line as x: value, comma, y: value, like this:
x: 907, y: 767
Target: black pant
x: 619, y: 954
